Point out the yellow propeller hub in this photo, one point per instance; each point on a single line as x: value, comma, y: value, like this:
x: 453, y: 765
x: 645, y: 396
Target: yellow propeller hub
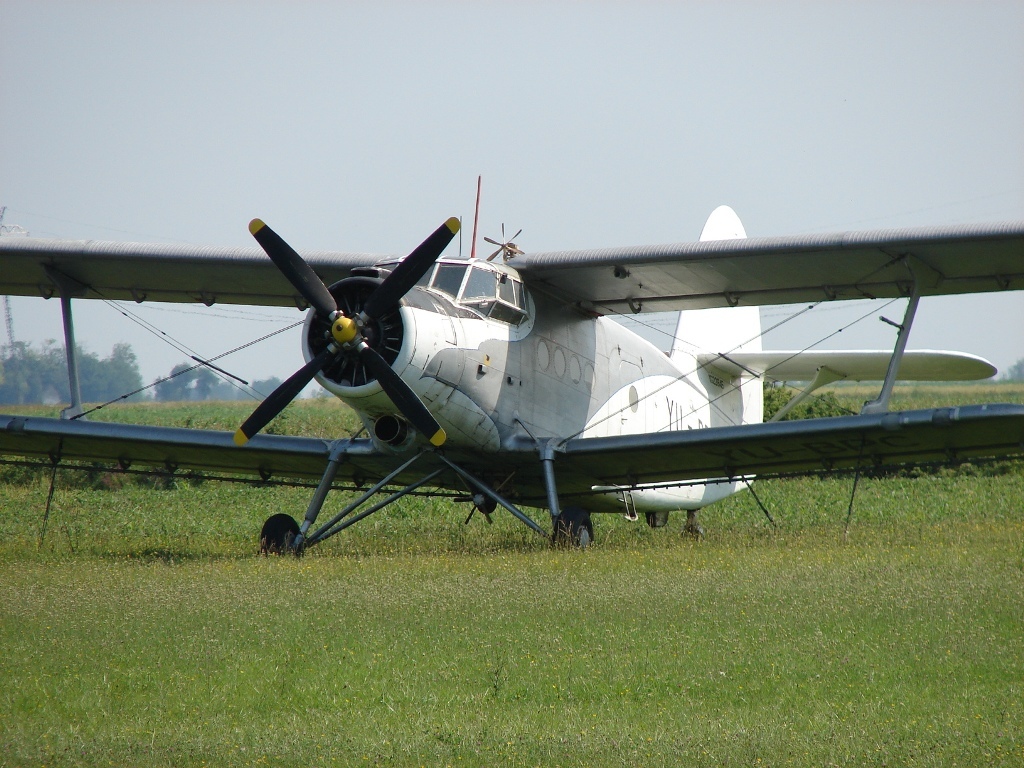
x: 344, y: 329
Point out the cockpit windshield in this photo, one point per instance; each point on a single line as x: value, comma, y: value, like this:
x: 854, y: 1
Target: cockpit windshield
x: 486, y: 289
x: 481, y: 287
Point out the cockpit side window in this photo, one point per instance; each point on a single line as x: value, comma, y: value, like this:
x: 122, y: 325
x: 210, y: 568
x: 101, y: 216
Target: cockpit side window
x: 448, y: 278
x: 506, y: 291
x: 494, y: 294
x: 424, y: 281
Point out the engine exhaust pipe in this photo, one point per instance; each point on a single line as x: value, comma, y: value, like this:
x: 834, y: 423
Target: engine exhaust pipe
x: 391, y: 430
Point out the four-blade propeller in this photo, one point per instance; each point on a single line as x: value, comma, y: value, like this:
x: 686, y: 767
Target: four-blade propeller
x: 347, y: 332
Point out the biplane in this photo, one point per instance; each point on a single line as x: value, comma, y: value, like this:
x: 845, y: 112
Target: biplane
x: 506, y: 381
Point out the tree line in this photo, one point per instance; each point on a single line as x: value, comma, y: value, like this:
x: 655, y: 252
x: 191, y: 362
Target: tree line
x: 39, y: 375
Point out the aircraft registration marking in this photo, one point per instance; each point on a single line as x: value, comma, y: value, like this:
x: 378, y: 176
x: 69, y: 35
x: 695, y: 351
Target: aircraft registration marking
x: 677, y: 416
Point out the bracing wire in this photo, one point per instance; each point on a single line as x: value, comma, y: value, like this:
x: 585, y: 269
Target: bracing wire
x: 702, y: 366
x: 183, y: 349
x: 760, y: 335
x: 202, y: 364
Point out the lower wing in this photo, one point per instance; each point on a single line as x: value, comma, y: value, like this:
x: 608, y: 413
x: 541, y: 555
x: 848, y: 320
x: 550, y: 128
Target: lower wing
x: 939, y: 435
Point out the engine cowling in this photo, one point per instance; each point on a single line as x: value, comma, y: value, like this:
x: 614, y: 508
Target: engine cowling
x: 408, y: 336
x: 385, y: 334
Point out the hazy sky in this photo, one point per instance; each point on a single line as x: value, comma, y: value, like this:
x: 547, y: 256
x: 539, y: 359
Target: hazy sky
x: 362, y: 126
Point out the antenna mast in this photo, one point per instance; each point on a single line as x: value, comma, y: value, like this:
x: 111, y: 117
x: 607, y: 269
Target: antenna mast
x: 476, y: 219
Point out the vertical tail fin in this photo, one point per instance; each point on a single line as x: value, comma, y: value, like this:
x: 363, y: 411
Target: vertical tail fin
x: 714, y: 331
x: 722, y: 330
x: 723, y: 224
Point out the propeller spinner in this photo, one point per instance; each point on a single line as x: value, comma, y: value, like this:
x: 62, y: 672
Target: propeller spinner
x: 346, y: 332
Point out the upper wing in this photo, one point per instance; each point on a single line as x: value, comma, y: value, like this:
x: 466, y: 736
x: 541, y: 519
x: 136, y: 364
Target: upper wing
x: 889, y: 439
x: 146, y: 272
x: 776, y: 270
x: 783, y: 270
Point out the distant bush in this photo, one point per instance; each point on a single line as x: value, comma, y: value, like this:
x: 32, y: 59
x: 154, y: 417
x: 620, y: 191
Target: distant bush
x: 1015, y: 372
x: 28, y: 375
x: 188, y: 382
x: 815, y: 407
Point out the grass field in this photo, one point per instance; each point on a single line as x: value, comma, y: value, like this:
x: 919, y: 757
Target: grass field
x: 143, y: 630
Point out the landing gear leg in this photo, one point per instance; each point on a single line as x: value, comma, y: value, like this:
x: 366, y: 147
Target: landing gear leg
x: 692, y: 527
x: 571, y: 526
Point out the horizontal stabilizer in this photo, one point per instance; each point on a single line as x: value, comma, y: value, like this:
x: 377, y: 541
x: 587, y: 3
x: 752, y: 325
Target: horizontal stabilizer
x: 854, y: 365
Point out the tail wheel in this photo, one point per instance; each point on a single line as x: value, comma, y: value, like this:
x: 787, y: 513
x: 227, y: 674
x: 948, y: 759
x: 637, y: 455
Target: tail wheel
x: 573, y: 528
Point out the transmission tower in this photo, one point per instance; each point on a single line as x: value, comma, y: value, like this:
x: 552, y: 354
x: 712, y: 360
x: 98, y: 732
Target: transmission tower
x: 7, y: 230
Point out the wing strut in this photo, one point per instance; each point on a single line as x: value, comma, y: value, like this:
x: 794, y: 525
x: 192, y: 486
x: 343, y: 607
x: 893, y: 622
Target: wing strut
x: 68, y: 287
x: 824, y: 375
x: 881, y: 403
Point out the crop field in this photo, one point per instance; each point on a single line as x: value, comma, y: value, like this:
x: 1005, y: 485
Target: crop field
x: 143, y: 629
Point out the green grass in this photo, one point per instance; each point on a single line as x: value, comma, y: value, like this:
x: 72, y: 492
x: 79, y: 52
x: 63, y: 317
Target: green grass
x: 145, y: 631
x: 801, y: 652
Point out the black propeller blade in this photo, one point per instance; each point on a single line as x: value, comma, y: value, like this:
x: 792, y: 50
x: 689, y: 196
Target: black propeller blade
x: 402, y: 395
x: 410, y: 270
x: 294, y: 268
x: 284, y: 394
x: 347, y: 336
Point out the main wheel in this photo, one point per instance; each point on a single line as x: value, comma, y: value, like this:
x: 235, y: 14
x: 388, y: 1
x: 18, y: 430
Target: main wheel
x: 278, y: 535
x: 692, y: 527
x: 573, y: 528
x: 657, y: 519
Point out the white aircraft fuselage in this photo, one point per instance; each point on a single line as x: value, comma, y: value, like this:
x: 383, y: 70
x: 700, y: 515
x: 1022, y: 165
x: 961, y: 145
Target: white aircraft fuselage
x: 497, y: 367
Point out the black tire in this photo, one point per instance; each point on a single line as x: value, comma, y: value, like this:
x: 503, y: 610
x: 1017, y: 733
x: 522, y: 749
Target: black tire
x: 573, y: 529
x: 278, y: 535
